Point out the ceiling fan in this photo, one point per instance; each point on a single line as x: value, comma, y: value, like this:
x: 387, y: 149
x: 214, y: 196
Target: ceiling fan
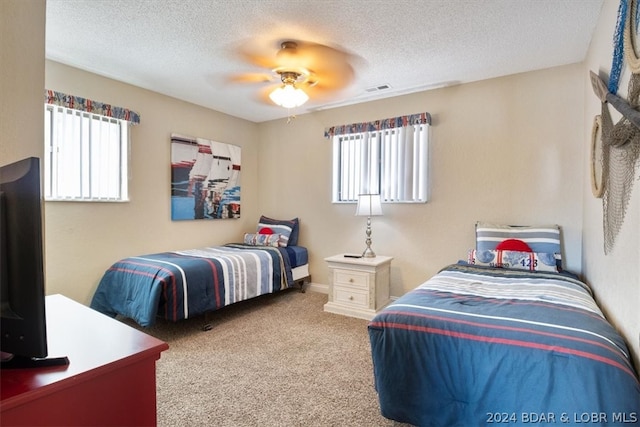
x: 299, y: 71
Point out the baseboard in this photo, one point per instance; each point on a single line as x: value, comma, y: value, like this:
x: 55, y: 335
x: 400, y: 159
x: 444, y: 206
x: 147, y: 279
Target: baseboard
x: 317, y: 287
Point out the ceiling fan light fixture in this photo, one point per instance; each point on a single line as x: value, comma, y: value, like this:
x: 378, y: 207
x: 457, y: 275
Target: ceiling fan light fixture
x: 288, y: 95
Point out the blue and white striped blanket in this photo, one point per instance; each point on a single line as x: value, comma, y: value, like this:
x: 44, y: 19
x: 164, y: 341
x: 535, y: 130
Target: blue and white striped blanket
x: 477, y: 346
x: 182, y: 284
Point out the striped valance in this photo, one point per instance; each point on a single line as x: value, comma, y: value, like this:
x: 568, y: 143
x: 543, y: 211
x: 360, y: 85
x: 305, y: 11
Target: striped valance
x: 89, y: 106
x: 395, y: 122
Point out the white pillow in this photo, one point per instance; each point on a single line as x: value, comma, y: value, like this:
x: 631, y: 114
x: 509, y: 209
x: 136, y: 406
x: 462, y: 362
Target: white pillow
x: 531, y: 261
x: 256, y: 239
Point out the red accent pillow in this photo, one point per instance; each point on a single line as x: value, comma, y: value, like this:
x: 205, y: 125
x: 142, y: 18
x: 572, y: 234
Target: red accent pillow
x: 267, y: 230
x: 513, y: 245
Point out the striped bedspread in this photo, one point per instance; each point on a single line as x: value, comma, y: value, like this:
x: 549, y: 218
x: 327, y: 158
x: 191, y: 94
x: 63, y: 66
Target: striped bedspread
x: 182, y: 284
x: 477, y: 346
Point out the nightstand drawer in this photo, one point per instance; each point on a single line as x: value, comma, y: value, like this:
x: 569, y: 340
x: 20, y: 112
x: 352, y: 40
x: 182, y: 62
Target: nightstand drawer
x: 351, y: 278
x: 351, y: 296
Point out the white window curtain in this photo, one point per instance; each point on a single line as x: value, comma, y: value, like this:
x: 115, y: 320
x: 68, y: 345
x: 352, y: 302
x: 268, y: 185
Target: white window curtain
x: 382, y: 158
x: 86, y: 156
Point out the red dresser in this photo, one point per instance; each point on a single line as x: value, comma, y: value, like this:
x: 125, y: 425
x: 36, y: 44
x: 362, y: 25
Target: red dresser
x: 110, y: 379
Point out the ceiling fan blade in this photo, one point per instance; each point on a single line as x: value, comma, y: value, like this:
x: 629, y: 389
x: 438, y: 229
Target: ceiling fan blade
x: 332, y: 78
x: 320, y: 93
x: 258, y: 59
x: 331, y: 67
x: 289, y: 56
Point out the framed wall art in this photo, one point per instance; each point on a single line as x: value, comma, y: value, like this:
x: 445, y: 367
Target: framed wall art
x: 205, y: 179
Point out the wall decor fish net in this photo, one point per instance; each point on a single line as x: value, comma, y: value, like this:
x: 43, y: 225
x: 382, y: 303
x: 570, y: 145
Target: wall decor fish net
x: 620, y: 141
x: 620, y: 154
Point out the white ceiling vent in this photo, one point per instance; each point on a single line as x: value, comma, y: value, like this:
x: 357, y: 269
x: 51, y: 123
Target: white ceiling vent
x: 377, y: 88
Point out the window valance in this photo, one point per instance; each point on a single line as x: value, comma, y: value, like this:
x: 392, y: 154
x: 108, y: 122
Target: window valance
x: 89, y: 106
x: 395, y: 122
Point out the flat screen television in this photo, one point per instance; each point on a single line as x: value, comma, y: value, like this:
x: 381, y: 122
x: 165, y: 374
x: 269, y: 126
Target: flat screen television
x: 23, y: 327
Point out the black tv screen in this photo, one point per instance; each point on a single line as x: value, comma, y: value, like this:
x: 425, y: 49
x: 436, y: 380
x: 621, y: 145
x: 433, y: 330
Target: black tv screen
x: 22, y: 280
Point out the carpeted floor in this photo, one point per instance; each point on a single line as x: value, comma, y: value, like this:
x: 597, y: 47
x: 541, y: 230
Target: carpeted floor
x: 277, y: 360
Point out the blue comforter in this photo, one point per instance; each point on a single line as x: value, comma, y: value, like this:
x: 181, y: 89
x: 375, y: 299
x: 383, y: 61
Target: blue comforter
x: 475, y: 346
x: 183, y: 284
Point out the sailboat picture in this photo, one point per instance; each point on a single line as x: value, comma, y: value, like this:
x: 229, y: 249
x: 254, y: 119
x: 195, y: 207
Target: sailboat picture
x: 205, y: 179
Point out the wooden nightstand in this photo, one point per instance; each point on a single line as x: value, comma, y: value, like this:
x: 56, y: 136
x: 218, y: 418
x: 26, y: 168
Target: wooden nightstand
x: 358, y: 287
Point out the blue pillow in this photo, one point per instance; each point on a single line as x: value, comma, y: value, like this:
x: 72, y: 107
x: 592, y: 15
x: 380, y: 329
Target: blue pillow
x: 289, y: 229
x: 541, y: 239
x: 544, y: 238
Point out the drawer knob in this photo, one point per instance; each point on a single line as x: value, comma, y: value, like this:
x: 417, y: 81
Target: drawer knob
x: 351, y: 280
x: 351, y: 297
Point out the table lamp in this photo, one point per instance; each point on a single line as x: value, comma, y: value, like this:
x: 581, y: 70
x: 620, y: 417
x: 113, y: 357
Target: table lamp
x: 369, y: 205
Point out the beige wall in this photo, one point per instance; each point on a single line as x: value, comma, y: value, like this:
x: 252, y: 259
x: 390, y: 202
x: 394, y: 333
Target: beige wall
x: 21, y: 79
x: 507, y: 150
x: 615, y: 277
x: 84, y: 239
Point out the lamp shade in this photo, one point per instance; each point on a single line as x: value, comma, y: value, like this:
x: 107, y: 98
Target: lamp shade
x: 288, y: 96
x: 369, y: 205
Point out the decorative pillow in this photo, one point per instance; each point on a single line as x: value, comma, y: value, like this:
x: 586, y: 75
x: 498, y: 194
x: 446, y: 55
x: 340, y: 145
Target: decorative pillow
x: 531, y: 261
x: 261, y: 239
x: 288, y: 229
x: 265, y: 230
x: 541, y: 239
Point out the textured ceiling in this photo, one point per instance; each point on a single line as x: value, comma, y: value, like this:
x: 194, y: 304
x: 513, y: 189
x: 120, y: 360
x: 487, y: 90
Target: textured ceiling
x: 187, y: 49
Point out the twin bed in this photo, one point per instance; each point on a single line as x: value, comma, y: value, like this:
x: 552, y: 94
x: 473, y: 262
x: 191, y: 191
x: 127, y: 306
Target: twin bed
x: 505, y: 337
x: 184, y: 284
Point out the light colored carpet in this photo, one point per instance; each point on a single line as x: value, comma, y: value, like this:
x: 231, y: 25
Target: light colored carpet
x: 277, y: 360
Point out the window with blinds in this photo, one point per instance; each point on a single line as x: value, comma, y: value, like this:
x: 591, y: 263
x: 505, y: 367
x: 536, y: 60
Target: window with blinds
x: 390, y: 162
x: 86, y: 156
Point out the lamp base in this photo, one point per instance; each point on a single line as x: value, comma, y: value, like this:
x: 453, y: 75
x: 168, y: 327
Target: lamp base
x: 368, y: 253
